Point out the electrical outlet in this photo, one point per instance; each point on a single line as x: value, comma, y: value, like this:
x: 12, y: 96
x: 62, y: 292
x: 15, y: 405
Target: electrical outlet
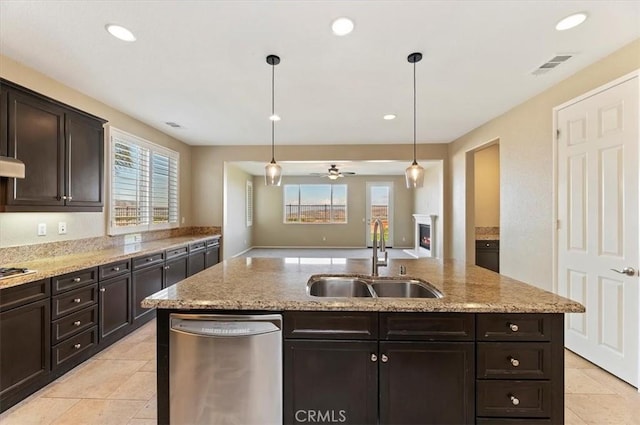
x: 324, y: 238
x: 62, y: 228
x: 182, y: 222
x: 132, y: 238
x: 42, y: 229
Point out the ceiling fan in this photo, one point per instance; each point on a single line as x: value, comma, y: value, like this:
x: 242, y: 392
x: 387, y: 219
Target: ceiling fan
x: 333, y: 173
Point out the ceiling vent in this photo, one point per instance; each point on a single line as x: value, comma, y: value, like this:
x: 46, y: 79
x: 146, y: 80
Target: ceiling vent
x: 173, y: 124
x: 552, y: 63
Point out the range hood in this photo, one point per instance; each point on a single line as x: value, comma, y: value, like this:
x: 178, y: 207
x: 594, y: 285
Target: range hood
x: 11, y: 167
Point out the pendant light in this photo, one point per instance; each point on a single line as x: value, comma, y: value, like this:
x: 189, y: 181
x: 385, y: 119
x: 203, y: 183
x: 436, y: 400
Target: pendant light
x: 272, y: 171
x: 414, y: 173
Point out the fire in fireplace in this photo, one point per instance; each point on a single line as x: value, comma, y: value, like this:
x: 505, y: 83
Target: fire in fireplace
x: 425, y: 236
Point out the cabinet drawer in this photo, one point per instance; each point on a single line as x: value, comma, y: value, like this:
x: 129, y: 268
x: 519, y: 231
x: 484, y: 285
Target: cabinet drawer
x: 427, y: 327
x: 213, y: 242
x: 18, y: 295
x: 197, y: 246
x: 524, y: 399
x: 148, y: 260
x: 74, y: 301
x: 177, y: 252
x: 74, y: 347
x: 74, y: 280
x: 488, y: 245
x: 74, y: 324
x: 514, y: 360
x: 514, y: 327
x: 114, y: 269
x: 330, y: 325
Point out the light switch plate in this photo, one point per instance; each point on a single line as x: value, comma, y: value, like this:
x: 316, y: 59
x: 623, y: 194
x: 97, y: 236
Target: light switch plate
x: 42, y: 229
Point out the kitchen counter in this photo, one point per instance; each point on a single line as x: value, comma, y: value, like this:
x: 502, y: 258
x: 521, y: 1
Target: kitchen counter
x: 279, y: 284
x: 54, y: 266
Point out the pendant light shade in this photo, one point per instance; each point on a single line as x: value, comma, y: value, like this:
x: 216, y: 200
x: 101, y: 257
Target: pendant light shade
x: 414, y: 174
x: 272, y: 171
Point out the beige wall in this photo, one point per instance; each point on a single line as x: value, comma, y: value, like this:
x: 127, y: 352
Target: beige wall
x: 428, y: 200
x: 269, y: 229
x: 208, y: 166
x: 20, y: 228
x: 526, y: 173
x: 487, y: 186
x: 237, y: 236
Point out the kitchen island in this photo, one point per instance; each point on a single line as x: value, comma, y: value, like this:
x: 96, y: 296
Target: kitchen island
x: 489, y: 351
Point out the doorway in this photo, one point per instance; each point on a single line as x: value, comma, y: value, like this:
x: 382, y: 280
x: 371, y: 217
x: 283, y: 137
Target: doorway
x: 379, y: 205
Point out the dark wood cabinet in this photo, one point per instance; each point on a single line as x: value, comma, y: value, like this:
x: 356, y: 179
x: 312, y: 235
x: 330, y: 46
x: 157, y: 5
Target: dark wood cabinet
x: 62, y: 149
x: 488, y: 255
x: 336, y: 380
x: 115, y: 307
x: 25, y: 347
x: 147, y: 278
x: 442, y: 373
x: 212, y: 254
x: 176, y: 270
x: 196, y: 257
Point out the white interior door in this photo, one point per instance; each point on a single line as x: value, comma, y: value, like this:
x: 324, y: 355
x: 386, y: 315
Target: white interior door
x: 599, y: 224
x: 380, y: 205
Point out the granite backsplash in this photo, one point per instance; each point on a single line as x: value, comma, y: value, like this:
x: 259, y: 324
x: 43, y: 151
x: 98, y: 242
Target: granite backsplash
x: 487, y: 233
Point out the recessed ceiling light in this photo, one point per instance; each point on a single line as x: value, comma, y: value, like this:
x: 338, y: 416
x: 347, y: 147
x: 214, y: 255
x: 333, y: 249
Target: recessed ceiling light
x: 120, y: 32
x: 571, y: 21
x: 342, y: 26
x: 389, y: 117
x: 274, y: 117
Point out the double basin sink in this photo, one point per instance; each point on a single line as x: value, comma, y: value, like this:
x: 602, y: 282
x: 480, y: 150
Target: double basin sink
x: 369, y: 287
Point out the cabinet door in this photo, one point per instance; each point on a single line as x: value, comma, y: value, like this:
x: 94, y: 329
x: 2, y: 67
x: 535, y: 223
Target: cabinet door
x: 427, y: 383
x: 115, y: 305
x: 84, y: 161
x: 145, y: 282
x: 330, y: 381
x: 25, y: 348
x: 196, y: 263
x: 211, y: 257
x: 488, y: 259
x: 175, y: 271
x: 36, y: 137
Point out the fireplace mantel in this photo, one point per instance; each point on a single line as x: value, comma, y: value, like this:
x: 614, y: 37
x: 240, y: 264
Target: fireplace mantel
x: 418, y: 251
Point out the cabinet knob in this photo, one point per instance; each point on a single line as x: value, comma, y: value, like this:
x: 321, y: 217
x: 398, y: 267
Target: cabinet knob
x: 514, y: 400
x: 77, y: 346
x: 513, y: 327
x: 384, y: 358
x: 167, y: 267
x: 487, y: 244
x: 374, y: 358
x: 64, y: 198
x: 149, y: 259
x: 69, y: 198
x: 116, y: 269
x: 77, y: 300
x: 76, y: 279
x: 514, y: 362
x: 77, y: 323
x: 103, y: 289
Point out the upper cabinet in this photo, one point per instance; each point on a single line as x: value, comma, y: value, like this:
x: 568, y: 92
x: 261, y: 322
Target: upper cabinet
x: 62, y: 149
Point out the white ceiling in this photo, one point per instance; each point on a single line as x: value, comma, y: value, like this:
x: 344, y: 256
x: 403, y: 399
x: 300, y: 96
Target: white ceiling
x: 361, y: 168
x: 202, y: 63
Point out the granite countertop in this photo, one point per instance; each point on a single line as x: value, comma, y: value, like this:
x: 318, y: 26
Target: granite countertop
x: 280, y: 284
x: 54, y: 266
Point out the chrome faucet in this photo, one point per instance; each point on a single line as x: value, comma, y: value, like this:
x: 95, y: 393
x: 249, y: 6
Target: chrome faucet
x: 378, y: 227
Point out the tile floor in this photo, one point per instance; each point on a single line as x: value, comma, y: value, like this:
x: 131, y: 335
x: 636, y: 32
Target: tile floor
x: 118, y: 387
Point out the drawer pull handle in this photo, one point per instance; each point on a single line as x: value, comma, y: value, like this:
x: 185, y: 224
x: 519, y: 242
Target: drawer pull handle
x: 513, y: 327
x: 514, y: 400
x: 116, y: 269
x: 77, y: 300
x: 149, y: 259
x: 77, y: 323
x: 103, y: 289
x: 167, y: 267
x: 77, y: 279
x: 77, y: 346
x: 514, y: 362
x: 384, y: 358
x: 374, y: 358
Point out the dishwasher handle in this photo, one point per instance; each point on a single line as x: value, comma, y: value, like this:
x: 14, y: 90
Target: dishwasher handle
x: 223, y: 328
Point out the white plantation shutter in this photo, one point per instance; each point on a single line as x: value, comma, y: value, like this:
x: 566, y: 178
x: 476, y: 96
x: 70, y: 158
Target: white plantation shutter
x: 249, y: 203
x: 143, y: 184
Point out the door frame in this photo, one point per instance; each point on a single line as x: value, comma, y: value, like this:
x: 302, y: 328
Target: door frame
x: 554, y: 189
x: 554, y: 223
x: 367, y: 218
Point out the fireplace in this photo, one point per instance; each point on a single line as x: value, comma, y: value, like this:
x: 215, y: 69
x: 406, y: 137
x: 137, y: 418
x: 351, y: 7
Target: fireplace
x: 425, y: 236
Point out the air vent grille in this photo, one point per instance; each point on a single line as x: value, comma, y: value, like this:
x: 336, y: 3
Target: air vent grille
x: 552, y: 63
x: 173, y: 124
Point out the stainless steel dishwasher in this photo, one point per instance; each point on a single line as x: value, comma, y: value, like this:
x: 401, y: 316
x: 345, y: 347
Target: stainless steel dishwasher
x: 225, y: 369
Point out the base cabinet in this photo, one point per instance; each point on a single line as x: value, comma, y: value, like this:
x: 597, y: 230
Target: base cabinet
x: 115, y: 302
x: 144, y: 283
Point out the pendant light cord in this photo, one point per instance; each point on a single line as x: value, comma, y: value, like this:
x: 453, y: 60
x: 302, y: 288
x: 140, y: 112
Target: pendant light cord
x: 273, y: 102
x: 414, y: 113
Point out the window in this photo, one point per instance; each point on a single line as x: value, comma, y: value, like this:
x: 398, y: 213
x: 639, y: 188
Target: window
x: 249, y: 203
x: 315, y: 203
x: 143, y: 184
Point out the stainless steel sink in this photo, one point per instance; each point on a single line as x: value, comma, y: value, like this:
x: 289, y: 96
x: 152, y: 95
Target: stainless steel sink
x: 338, y: 286
x: 369, y: 287
x: 391, y: 288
